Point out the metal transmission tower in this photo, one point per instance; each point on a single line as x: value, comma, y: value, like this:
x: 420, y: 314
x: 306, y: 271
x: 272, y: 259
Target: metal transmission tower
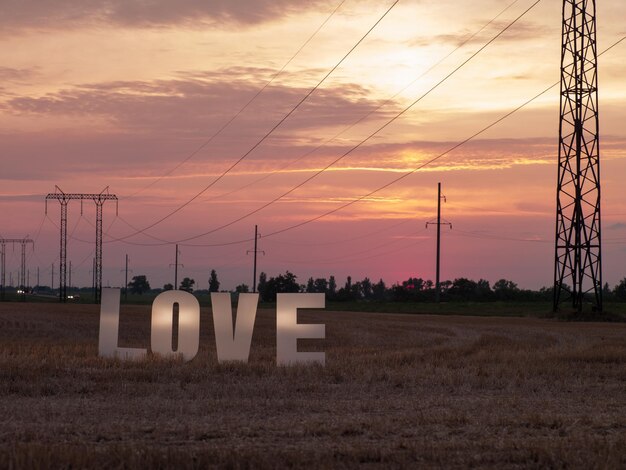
x: 3, y: 244
x: 439, y: 223
x: 578, y: 260
x: 64, y: 198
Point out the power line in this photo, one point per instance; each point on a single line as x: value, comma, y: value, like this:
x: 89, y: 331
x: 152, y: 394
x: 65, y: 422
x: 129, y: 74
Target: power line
x: 405, y: 175
x: 370, y: 113
x: 371, y: 135
x: 488, y: 236
x: 351, y: 239
x: 356, y: 256
x: 245, y: 106
x: 268, y: 133
x: 35, y: 238
x: 395, y: 180
x: 386, y: 102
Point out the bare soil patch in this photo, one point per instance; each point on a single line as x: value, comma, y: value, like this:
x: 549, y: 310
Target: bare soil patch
x: 397, y: 391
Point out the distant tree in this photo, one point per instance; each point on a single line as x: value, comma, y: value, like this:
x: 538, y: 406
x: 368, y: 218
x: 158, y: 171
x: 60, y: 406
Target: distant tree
x: 332, y: 285
x: 283, y: 283
x: 607, y: 294
x: 343, y: 295
x: 620, y: 290
x: 445, y: 286
x: 242, y: 288
x: 400, y: 293
x: 505, y: 290
x: 310, y: 286
x: 378, y: 290
x: 139, y: 285
x: 412, y: 289
x: 463, y: 289
x: 262, y: 287
x: 546, y: 293
x: 168, y: 286
x: 356, y: 291
x: 414, y: 283
x: 214, y: 284
x: 503, y: 284
x: 483, y: 291
x: 187, y: 284
x: 367, y: 289
x: 321, y: 285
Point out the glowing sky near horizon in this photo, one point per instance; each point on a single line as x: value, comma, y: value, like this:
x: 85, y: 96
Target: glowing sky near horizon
x: 117, y: 93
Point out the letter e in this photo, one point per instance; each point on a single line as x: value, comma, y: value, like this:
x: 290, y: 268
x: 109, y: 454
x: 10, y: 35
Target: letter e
x: 288, y: 330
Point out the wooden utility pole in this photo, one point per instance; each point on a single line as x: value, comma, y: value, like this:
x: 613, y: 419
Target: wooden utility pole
x: 439, y: 223
x: 126, y: 280
x: 176, y: 264
x: 256, y: 251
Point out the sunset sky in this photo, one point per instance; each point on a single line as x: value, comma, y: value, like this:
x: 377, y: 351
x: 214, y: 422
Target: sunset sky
x: 118, y: 93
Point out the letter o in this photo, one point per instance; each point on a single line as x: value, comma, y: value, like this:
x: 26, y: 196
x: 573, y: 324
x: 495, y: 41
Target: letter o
x: 188, y: 324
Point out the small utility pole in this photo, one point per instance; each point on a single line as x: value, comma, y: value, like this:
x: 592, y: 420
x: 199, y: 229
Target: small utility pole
x: 126, y: 280
x: 256, y: 251
x: 176, y: 264
x: 439, y: 223
x: 52, y: 281
x: 176, y: 269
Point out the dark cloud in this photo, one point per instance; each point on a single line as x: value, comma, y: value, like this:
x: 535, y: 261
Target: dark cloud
x: 56, y: 14
x: 195, y: 105
x: 8, y: 74
x: 133, y: 123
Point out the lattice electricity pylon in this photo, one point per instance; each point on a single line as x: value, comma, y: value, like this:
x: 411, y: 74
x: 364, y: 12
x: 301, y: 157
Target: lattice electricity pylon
x: 3, y: 243
x: 64, y: 199
x: 578, y: 259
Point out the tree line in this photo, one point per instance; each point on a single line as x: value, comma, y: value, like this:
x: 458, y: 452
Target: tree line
x: 410, y: 290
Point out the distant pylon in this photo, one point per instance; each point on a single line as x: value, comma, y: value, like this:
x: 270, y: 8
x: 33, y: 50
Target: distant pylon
x: 578, y: 259
x: 64, y: 199
x: 22, y: 272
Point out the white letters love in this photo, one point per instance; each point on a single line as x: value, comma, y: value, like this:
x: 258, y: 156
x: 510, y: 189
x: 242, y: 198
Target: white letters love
x: 232, y: 344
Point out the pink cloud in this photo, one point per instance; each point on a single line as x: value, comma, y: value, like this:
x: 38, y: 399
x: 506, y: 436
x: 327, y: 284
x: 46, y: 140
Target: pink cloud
x: 63, y: 14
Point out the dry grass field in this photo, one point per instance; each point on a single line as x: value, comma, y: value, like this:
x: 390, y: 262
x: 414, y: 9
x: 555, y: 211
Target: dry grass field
x: 397, y: 391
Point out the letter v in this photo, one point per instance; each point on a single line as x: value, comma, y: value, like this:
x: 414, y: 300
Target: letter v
x: 233, y: 345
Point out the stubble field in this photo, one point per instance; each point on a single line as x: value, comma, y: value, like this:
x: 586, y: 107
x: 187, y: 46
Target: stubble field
x: 397, y: 391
